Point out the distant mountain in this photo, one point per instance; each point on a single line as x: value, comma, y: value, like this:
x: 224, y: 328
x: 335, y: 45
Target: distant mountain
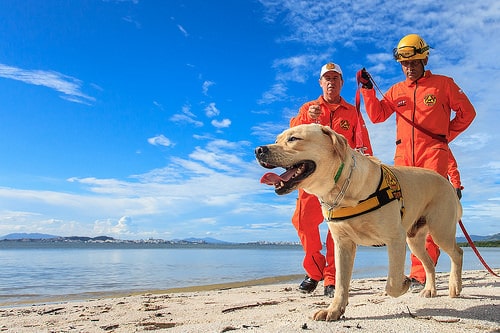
x: 53, y: 238
x: 494, y: 237
x: 206, y: 240
x: 86, y: 239
x: 37, y: 236
x: 28, y: 236
x: 477, y: 238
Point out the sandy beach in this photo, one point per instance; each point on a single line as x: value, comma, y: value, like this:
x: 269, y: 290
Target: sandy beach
x: 267, y: 306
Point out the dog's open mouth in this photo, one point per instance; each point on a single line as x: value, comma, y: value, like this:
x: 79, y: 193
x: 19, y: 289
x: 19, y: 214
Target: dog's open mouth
x: 288, y: 181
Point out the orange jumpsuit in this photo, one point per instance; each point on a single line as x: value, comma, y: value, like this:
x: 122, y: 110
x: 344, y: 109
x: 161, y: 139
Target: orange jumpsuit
x: 428, y: 102
x: 453, y: 173
x: 343, y: 119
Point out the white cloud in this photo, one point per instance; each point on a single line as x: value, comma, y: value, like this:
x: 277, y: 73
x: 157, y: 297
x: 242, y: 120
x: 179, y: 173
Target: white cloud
x: 224, y: 123
x: 69, y: 86
x: 110, y: 227
x: 276, y: 93
x: 268, y: 131
x: 158, y: 105
x: 181, y: 29
x: 130, y: 19
x: 160, y: 140
x: 205, y: 86
x: 298, y: 68
x: 211, y: 110
x: 186, y: 117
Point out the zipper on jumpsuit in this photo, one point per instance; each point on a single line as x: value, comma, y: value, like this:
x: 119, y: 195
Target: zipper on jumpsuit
x: 413, y: 127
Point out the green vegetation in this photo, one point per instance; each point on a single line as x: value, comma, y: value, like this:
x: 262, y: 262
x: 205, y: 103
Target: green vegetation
x: 489, y: 243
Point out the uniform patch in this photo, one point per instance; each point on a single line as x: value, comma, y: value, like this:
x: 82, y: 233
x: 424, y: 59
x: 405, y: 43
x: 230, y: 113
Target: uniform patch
x: 344, y: 124
x: 430, y: 100
x: 330, y: 66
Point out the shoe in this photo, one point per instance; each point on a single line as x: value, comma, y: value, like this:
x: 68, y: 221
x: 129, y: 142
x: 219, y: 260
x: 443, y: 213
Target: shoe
x: 308, y: 285
x: 416, y: 286
x: 329, y: 291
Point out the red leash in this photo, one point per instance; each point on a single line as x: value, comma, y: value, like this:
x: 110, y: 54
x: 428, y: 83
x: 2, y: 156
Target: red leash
x: 473, y: 247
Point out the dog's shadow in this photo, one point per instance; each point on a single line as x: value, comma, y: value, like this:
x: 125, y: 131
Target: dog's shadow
x: 486, y: 312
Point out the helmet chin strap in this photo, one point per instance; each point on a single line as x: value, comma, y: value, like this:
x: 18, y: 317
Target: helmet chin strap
x: 423, y: 62
x: 423, y: 69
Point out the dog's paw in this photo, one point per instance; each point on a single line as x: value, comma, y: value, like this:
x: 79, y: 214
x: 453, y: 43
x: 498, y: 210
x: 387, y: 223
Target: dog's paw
x: 455, y: 290
x: 428, y: 293
x: 396, y: 288
x: 327, y: 315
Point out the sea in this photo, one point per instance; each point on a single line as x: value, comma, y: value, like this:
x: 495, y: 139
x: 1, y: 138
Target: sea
x: 34, y: 273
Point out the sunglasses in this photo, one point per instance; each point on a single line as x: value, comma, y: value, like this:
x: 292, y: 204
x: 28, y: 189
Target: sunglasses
x: 408, y: 51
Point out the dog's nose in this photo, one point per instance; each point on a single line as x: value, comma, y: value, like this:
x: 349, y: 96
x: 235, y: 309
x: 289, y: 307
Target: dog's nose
x: 261, y: 150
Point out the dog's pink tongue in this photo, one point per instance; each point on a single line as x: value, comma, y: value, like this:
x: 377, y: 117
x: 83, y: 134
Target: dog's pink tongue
x: 270, y: 179
x: 273, y: 179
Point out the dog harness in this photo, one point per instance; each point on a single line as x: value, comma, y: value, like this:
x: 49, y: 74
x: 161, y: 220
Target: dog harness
x: 388, y: 190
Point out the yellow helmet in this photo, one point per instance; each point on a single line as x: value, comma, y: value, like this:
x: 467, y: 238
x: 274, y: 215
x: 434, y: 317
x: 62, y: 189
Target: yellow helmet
x: 411, y: 47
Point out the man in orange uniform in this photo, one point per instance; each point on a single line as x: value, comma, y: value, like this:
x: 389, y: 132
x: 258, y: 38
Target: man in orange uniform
x: 426, y: 101
x: 332, y: 110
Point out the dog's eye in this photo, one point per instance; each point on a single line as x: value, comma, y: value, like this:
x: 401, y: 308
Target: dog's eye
x: 293, y: 138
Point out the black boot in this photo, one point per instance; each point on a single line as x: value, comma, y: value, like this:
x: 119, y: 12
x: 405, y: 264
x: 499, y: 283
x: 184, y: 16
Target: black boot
x: 329, y: 291
x: 308, y: 285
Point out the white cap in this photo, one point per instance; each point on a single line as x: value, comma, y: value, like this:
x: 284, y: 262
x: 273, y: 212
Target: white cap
x: 330, y: 67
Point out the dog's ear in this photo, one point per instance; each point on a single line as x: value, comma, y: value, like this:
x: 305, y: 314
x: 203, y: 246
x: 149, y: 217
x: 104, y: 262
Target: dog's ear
x: 339, y: 142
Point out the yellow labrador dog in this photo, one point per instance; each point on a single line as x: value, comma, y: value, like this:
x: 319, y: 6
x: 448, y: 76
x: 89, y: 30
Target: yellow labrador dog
x: 368, y: 203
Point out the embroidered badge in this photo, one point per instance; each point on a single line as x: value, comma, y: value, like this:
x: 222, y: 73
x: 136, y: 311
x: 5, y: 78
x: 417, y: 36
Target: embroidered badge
x: 330, y: 66
x: 344, y: 124
x: 430, y: 100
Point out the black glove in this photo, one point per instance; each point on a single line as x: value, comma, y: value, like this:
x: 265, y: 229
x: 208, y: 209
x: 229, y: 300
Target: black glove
x: 459, y: 193
x: 365, y: 79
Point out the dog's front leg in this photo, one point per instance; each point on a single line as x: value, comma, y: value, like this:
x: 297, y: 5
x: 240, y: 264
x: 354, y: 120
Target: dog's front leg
x: 345, y: 250
x: 397, y: 282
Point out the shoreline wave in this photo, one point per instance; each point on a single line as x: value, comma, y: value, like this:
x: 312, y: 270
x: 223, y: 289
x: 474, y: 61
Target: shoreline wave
x: 86, y: 296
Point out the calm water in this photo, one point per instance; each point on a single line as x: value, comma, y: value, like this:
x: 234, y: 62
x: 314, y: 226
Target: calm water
x: 39, y: 273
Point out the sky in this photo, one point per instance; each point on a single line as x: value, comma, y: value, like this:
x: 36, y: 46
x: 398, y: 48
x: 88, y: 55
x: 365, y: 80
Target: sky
x: 139, y: 119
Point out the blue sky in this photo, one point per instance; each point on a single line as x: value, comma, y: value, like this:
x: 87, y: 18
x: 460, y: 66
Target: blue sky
x: 138, y: 119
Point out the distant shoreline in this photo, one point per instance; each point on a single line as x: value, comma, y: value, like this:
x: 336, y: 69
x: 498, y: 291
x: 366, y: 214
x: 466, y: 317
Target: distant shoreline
x: 42, y: 243
x: 15, y: 244
x: 480, y: 241
x: 495, y: 243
